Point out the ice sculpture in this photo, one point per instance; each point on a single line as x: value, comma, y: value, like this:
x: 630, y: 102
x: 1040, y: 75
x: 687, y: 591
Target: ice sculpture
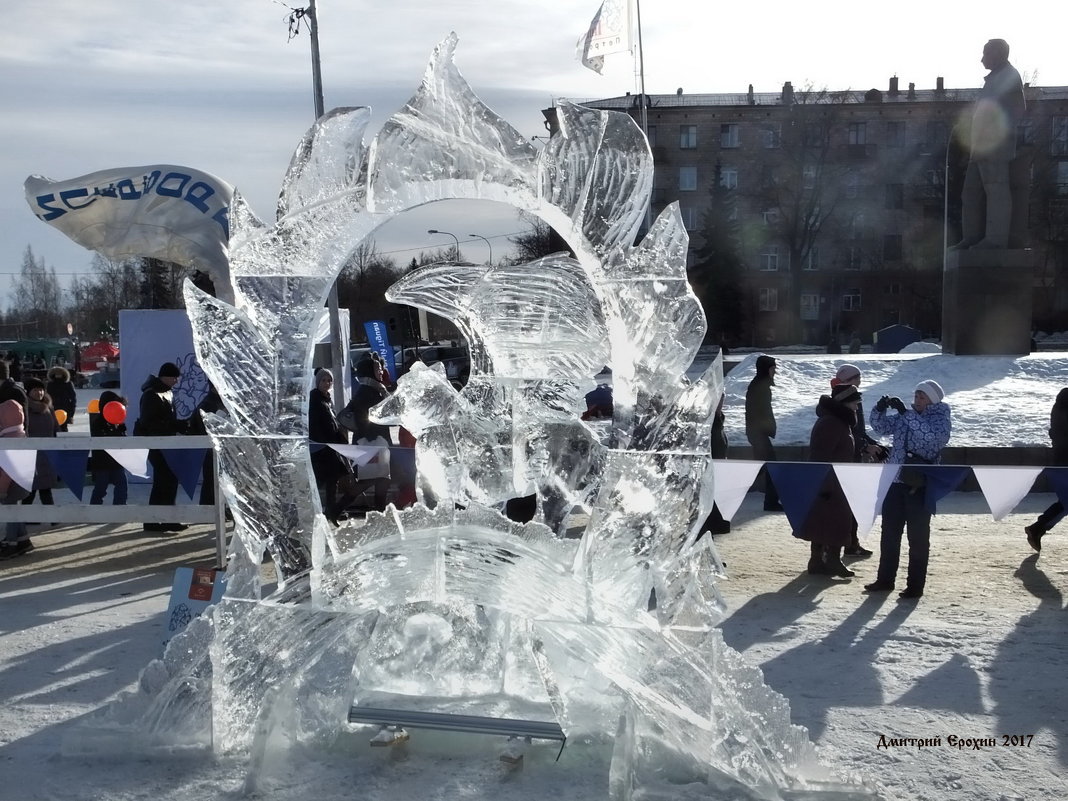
x: 455, y: 608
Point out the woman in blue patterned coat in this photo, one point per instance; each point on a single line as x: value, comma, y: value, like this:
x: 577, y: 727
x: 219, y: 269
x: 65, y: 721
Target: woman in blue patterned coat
x: 919, y: 434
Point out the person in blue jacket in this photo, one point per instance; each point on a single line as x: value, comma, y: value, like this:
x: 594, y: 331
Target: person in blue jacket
x: 919, y: 435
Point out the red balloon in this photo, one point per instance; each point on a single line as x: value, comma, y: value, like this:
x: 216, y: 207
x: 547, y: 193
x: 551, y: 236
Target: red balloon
x: 114, y: 412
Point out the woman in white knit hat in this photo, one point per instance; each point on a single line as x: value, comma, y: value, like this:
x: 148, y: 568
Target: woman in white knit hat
x: 919, y: 435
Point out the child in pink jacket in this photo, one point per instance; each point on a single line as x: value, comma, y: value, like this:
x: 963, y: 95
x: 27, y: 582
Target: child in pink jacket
x: 17, y: 539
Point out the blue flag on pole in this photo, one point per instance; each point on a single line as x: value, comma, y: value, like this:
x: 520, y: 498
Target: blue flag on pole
x: 378, y: 340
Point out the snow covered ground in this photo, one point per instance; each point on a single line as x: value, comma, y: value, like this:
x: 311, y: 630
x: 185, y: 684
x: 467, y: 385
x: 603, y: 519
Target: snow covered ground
x: 979, y: 658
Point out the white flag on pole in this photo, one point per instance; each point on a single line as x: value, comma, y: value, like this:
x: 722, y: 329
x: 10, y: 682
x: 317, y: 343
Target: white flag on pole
x: 161, y: 211
x: 611, y: 31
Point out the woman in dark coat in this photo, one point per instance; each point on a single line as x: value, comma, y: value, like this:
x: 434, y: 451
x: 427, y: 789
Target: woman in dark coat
x: 61, y: 390
x: 328, y: 465
x: 1058, y: 434
x: 830, y: 523
x: 40, y: 422
x: 714, y: 523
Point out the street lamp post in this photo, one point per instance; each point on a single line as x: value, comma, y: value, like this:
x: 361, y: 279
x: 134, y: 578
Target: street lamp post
x: 488, y: 245
x: 455, y: 239
x: 337, y: 353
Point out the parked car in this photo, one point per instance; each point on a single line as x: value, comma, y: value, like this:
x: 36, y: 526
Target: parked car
x: 456, y: 360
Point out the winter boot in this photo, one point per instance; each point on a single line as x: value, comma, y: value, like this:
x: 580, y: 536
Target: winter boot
x: 832, y: 556
x: 816, y: 565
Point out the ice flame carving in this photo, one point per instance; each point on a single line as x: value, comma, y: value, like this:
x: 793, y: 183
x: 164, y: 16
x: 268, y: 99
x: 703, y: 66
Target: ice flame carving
x: 456, y: 608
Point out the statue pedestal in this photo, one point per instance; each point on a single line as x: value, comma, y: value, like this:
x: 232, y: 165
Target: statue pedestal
x: 986, y: 302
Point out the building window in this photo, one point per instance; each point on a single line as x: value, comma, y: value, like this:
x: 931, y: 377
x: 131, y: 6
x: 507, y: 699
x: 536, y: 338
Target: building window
x: 811, y: 262
x: 854, y: 259
x: 810, y: 306
x: 852, y: 185
x: 851, y: 300
x: 893, y: 288
x: 813, y: 135
x: 771, y: 216
x: 687, y: 137
x: 652, y: 135
x: 771, y: 135
x: 1058, y: 138
x: 728, y: 178
x: 1025, y: 133
x: 769, y: 299
x: 689, y: 218
x: 858, y: 133
x: 808, y: 176
x: 892, y: 247
x: 687, y: 179
x: 895, y: 133
x: 729, y: 135
x: 856, y: 226
x: 895, y: 196
x: 1060, y: 179
x: 769, y: 258
x: 937, y: 137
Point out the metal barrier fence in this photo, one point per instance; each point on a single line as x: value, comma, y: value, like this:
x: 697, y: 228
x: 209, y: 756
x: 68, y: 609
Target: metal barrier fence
x: 131, y: 512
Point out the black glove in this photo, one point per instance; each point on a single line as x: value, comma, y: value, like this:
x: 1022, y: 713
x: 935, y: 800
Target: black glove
x: 883, y: 403
x: 899, y: 405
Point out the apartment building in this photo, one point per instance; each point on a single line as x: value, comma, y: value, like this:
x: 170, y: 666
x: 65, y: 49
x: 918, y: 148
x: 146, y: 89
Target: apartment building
x: 837, y: 201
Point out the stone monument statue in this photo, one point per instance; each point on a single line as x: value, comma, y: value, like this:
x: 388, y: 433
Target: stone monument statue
x: 987, y: 198
x: 987, y: 282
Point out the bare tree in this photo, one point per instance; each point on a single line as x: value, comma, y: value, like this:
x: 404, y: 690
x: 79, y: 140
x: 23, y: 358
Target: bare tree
x: 802, y: 184
x: 37, y: 297
x: 540, y: 241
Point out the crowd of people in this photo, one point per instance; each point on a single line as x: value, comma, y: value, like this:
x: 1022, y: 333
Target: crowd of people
x: 917, y: 434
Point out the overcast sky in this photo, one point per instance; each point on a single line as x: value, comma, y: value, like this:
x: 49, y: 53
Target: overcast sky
x: 214, y: 84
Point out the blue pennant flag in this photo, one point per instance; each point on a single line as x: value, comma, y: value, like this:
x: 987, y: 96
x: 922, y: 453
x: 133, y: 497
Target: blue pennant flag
x: 797, y: 483
x: 941, y: 480
x: 1057, y: 477
x: 71, y: 466
x: 186, y: 464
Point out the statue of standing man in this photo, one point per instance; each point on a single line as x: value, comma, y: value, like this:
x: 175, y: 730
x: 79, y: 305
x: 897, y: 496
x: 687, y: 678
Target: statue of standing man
x: 987, y: 197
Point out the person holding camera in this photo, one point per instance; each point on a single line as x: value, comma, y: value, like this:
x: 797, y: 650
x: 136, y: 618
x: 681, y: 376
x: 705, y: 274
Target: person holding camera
x: 919, y: 435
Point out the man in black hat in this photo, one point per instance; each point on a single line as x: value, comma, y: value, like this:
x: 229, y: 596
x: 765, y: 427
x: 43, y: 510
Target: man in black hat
x: 760, y: 428
x: 157, y: 419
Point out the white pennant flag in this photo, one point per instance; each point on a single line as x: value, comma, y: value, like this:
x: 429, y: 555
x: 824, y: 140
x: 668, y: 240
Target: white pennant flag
x: 135, y: 460
x: 731, y: 480
x: 865, y: 486
x: 20, y: 465
x: 611, y: 31
x: 360, y: 454
x: 1005, y: 487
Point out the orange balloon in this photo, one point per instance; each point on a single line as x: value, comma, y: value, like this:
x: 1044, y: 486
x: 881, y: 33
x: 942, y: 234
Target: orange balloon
x: 94, y: 406
x: 61, y: 416
x: 114, y: 412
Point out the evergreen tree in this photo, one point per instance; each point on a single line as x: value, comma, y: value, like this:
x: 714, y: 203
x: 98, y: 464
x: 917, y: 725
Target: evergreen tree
x: 717, y: 267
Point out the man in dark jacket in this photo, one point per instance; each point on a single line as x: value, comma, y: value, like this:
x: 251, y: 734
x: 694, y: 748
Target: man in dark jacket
x: 157, y: 419
x: 760, y: 424
x: 1058, y: 434
x: 61, y: 391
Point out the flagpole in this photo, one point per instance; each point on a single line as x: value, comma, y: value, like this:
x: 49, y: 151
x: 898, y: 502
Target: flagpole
x: 644, y: 115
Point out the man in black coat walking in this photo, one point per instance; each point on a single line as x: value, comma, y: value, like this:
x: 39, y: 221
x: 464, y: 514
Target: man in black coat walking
x: 156, y: 418
x: 760, y: 426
